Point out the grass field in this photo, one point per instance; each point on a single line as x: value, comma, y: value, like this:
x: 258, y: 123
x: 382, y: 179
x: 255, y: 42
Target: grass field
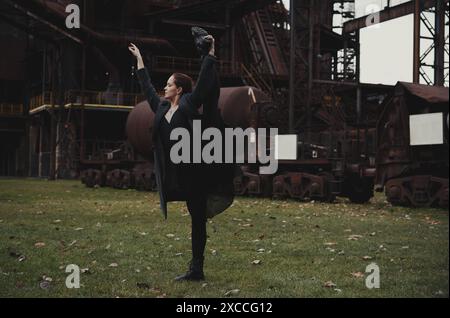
x: 258, y: 248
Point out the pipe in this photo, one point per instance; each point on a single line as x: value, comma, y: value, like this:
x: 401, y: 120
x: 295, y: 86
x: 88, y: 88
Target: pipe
x: 59, y: 9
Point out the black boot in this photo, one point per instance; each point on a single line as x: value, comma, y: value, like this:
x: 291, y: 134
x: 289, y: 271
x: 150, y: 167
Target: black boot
x: 195, y: 272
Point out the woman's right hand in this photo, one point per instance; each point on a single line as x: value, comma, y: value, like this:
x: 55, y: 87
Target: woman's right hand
x: 135, y: 51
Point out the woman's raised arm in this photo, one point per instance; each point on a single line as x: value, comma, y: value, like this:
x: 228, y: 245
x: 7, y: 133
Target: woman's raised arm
x: 206, y: 78
x: 144, y: 79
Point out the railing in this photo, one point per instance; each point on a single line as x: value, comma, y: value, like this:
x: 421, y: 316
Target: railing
x: 90, y: 97
x: 11, y: 109
x: 45, y: 98
x: 103, y: 98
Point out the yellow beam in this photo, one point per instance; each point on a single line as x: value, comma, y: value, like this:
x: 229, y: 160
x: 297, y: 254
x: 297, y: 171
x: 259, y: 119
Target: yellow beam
x: 91, y: 106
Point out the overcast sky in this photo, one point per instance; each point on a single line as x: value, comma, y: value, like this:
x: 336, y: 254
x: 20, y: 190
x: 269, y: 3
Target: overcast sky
x: 386, y: 49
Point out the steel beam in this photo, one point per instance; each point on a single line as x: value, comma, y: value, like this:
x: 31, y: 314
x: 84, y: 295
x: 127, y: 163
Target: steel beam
x: 206, y: 25
x: 389, y: 14
x: 416, y: 45
x: 292, y: 69
x: 439, y: 44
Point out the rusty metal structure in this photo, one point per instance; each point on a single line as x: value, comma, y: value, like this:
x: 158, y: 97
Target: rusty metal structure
x: 70, y: 105
x: 72, y: 82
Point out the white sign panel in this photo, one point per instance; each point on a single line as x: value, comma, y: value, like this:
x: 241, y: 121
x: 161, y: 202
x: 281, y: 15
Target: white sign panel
x: 426, y: 129
x: 286, y: 147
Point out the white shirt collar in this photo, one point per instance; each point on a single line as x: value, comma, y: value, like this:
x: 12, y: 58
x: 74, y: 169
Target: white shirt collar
x: 170, y: 113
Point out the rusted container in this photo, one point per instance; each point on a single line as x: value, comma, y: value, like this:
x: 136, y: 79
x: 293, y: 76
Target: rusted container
x: 412, y: 156
x: 239, y: 107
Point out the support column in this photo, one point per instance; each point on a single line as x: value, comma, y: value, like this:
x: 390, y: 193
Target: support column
x: 416, y: 50
x: 439, y: 43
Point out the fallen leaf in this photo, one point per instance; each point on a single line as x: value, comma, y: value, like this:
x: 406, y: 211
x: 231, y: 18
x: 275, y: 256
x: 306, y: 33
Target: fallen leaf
x: 39, y: 244
x: 354, y: 237
x: 329, y: 284
x: 47, y: 279
x: 358, y: 274
x: 430, y: 221
x: 155, y: 290
x: 232, y: 292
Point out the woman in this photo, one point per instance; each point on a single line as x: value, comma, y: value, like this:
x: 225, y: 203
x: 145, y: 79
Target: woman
x: 205, y: 197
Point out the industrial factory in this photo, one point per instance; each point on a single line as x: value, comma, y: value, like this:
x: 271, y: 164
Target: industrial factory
x: 71, y: 106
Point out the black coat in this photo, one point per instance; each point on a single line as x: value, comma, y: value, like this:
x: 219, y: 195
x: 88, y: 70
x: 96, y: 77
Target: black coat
x: 215, y: 179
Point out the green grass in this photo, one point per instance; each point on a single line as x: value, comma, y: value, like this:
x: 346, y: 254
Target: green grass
x: 300, y: 245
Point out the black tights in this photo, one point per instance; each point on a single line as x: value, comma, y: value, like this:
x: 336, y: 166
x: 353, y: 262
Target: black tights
x: 196, y: 205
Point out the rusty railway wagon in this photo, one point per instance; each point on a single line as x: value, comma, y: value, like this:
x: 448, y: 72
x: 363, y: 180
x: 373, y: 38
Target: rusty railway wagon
x: 331, y: 161
x: 412, y: 157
